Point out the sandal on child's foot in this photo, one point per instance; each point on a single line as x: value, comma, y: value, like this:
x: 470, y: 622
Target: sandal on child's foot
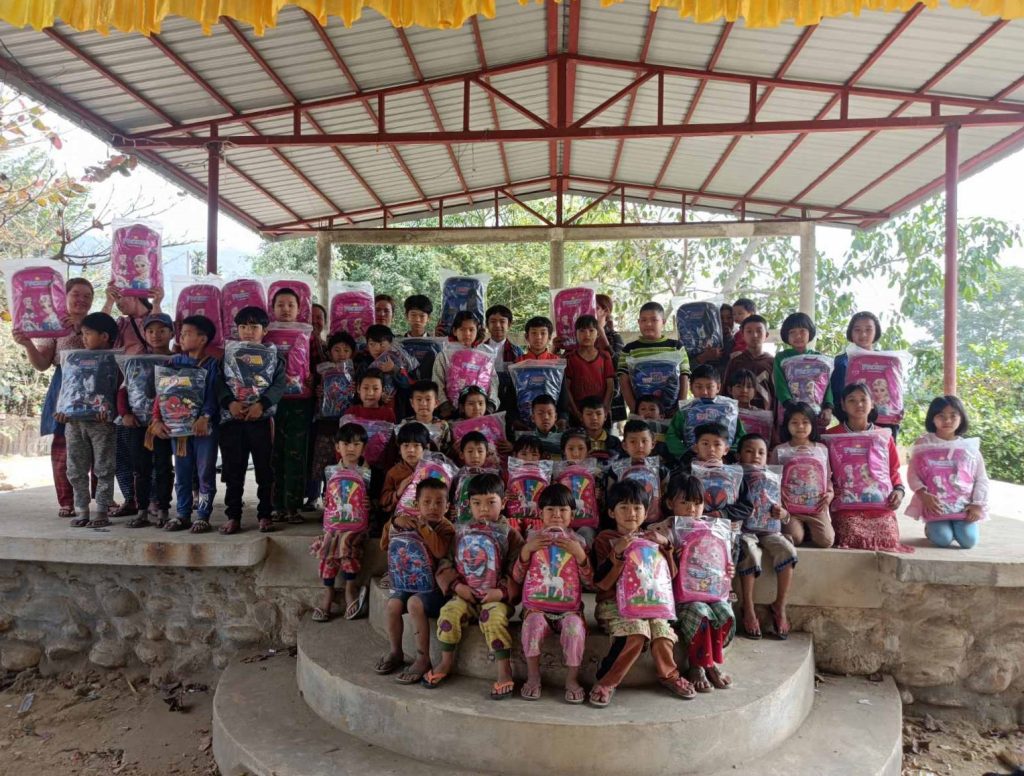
x: 231, y: 526
x: 600, y: 695
x: 503, y: 689
x: 530, y: 691
x: 80, y: 522
x: 358, y: 608
x: 575, y: 695
x: 319, y: 615
x: 66, y: 512
x: 679, y: 687
x: 99, y: 522
x: 142, y: 521
x: 200, y: 526
x: 780, y: 622
x: 432, y: 679
x: 410, y: 675
x: 699, y: 680
x: 388, y: 664
x: 751, y: 628
x: 177, y: 524
x: 266, y: 525
x: 294, y: 518
x: 721, y: 680
x: 128, y: 509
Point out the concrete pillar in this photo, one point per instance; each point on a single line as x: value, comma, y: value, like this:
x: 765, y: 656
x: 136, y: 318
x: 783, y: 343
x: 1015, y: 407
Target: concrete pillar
x: 556, y: 271
x: 212, y: 199
x: 323, y: 266
x: 808, y: 267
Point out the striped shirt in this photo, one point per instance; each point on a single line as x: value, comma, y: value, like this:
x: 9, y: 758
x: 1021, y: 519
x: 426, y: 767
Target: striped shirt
x: 650, y: 347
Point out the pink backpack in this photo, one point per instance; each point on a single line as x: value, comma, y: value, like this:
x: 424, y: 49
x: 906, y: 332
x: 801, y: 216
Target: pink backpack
x: 352, y: 312
x: 569, y: 304
x: 644, y: 589
x: 526, y: 480
x: 581, y: 481
x: 135, y: 260
x: 804, y: 477
x: 480, y: 553
x: 807, y: 375
x: 860, y: 469
x: 378, y: 433
x: 882, y: 374
x: 491, y: 426
x: 470, y: 366
x: 948, y: 471
x: 433, y: 465
x: 292, y: 341
x: 346, y: 502
x: 552, y: 582
x: 757, y: 422
x: 410, y: 564
x: 299, y: 287
x: 703, y: 550
x: 235, y: 295
x: 647, y: 474
x: 37, y: 299
x: 200, y: 299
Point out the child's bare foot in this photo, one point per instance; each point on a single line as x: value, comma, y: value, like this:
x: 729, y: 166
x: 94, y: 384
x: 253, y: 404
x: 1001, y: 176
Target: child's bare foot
x: 751, y: 626
x: 531, y: 689
x: 720, y: 679
x: 698, y: 679
x: 574, y: 693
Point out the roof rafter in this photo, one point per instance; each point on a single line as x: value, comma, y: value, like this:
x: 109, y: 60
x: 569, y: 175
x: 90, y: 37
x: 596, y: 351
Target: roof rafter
x: 645, y: 50
x: 481, y: 57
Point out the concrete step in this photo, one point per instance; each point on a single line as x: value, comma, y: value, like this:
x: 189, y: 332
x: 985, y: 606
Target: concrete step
x: 772, y: 695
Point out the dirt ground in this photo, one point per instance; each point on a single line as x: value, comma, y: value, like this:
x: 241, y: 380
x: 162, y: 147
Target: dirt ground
x: 935, y: 748
x: 103, y: 723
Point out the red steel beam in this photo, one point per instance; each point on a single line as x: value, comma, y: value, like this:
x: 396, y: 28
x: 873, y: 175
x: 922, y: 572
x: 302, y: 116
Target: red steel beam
x: 630, y: 89
x: 645, y: 50
x: 508, y: 194
x: 481, y: 57
x: 716, y: 53
x: 551, y: 31
x: 591, y: 205
x: 572, y: 49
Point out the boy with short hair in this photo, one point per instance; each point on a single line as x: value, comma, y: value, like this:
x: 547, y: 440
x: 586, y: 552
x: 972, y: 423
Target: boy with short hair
x: 651, y: 322
x: 92, y: 443
x: 648, y: 409
x: 498, y: 320
x: 491, y: 607
x: 379, y: 341
x: 538, y: 336
x: 742, y: 309
x: 423, y: 401
x: 413, y: 441
x: 753, y: 358
x: 594, y: 416
x: 709, y: 449
x: 437, y: 533
x: 370, y: 391
x: 465, y: 330
x: 705, y: 386
x: 418, y: 309
x: 200, y: 457
x: 527, y: 448
x: 544, y: 417
x: 250, y: 432
x: 588, y: 371
x: 638, y: 446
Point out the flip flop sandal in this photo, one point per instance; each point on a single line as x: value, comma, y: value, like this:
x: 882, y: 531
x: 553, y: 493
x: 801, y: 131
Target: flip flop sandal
x: 142, y: 521
x: 80, y: 522
x: 200, y: 526
x: 231, y: 526
x: 432, y: 679
x: 176, y: 524
x: 267, y: 525
x: 409, y: 677
x: 388, y: 664
x: 753, y: 635
x: 600, y: 703
x: 502, y: 690
x: 66, y: 512
x: 319, y: 615
x: 777, y: 622
x: 99, y: 522
x: 698, y: 678
x: 679, y: 687
x: 528, y: 693
x: 575, y: 697
x: 718, y: 679
x: 361, y: 604
x: 128, y: 509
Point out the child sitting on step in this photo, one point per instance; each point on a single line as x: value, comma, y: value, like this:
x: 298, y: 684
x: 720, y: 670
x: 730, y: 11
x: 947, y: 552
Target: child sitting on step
x: 479, y: 583
x: 552, y: 567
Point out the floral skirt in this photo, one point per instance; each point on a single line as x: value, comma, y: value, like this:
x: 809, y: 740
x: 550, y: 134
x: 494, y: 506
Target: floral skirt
x: 860, y: 530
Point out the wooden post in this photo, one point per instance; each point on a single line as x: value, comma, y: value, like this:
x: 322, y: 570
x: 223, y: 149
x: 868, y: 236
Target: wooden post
x: 323, y: 266
x: 950, y: 292
x: 808, y: 267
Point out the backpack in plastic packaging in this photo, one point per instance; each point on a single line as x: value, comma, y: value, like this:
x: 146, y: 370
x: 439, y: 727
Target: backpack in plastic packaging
x: 860, y: 468
x: 89, y: 385
x: 292, y: 342
x: 703, y: 552
x: 140, y: 383
x: 249, y: 369
x: 462, y: 292
x: 136, y: 261
x: 410, y: 564
x: 568, y: 304
x: 720, y: 410
x: 764, y: 489
x: 199, y: 296
x: 338, y: 388
x: 657, y: 375
x: 236, y: 295
x: 644, y: 588
x: 533, y: 378
x: 180, y: 392
x: 346, y: 500
x: 432, y: 465
x: 883, y: 374
x: 36, y: 298
x: 699, y: 326
x: 804, y: 477
x: 468, y: 366
x: 480, y: 553
x: 378, y: 433
x: 721, y: 486
x: 297, y: 282
x: 552, y: 582
x: 948, y: 471
x: 648, y: 474
x: 351, y: 309
x: 807, y: 376
x: 581, y: 478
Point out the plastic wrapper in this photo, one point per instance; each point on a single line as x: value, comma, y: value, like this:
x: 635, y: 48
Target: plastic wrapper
x: 948, y: 471
x: 721, y: 486
x: 807, y: 376
x: 292, y: 342
x: 89, y: 384
x: 346, y: 500
x: 491, y: 426
x: 480, y: 553
x: 410, y: 564
x: 647, y: 474
x: 533, y: 378
x: 199, y: 296
x: 140, y: 383
x: 552, y: 582
x: 180, y: 392
x: 136, y: 261
x: 424, y: 350
x: 860, y: 468
x: 249, y: 370
x: 703, y: 553
x: 299, y: 283
x: 883, y: 374
x: 462, y: 292
x: 339, y: 388
x: 468, y: 366
x: 644, y: 588
x: 699, y: 326
x: 757, y: 422
x: 721, y: 410
x: 238, y: 294
x: 378, y: 434
x: 804, y: 477
x: 36, y: 298
x: 656, y: 375
x: 400, y: 360
x: 764, y: 489
x: 432, y: 465
x: 461, y: 512
x: 581, y: 478
x: 568, y: 304
x: 526, y: 480
x: 351, y: 309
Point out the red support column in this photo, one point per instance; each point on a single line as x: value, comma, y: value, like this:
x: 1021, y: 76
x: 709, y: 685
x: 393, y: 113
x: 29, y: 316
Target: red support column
x: 212, y: 198
x: 951, y: 289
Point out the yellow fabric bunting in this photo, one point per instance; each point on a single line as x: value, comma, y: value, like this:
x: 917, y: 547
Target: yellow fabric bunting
x: 146, y: 16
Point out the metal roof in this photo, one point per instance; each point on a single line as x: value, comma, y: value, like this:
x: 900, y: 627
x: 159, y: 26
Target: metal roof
x: 511, y: 72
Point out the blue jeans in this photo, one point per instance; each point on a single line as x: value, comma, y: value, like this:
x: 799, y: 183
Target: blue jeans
x: 201, y: 454
x: 941, y: 533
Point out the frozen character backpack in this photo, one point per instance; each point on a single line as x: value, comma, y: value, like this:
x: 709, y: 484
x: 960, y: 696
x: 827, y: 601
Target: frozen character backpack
x: 378, y: 433
x: 720, y: 410
x: 89, y: 385
x: 526, y: 480
x: 552, y: 582
x: 180, y: 392
x: 468, y: 366
x: 648, y: 474
x: 249, y: 369
x: 346, y: 500
x: 860, y: 468
x: 140, y: 383
x: 533, y: 378
x: 236, y: 294
x: 351, y: 308
x: 721, y: 486
x: 804, y: 477
x: 581, y: 479
x: 338, y: 386
x: 703, y: 550
x: 568, y: 304
x: 644, y: 588
x: 462, y: 292
x: 301, y: 288
x: 292, y: 342
x: 756, y: 422
x: 699, y: 326
x: 764, y: 489
x: 479, y: 553
x: 948, y: 471
x: 410, y: 564
x: 882, y: 373
x: 35, y: 293
x: 431, y: 466
x: 136, y: 265
x: 807, y: 375
x: 657, y: 375
x: 201, y: 299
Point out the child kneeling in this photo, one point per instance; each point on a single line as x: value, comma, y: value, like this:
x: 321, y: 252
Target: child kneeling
x: 552, y: 566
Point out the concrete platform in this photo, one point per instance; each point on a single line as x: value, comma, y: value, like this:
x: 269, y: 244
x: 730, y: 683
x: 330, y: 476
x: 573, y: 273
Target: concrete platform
x: 772, y: 695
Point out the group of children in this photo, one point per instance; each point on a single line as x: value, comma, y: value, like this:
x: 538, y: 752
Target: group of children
x: 493, y: 477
